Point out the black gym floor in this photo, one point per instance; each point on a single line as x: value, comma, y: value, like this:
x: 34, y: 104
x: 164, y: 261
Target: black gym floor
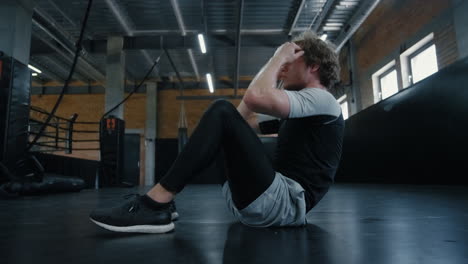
x: 354, y: 223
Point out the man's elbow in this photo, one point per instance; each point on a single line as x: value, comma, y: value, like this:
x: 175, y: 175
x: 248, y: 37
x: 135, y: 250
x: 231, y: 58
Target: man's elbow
x: 253, y: 101
x: 270, y: 103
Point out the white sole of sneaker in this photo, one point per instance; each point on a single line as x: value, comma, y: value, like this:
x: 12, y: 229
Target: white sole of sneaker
x: 152, y: 229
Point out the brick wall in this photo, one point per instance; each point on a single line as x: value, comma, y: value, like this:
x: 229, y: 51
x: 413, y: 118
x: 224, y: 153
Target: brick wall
x: 446, y: 43
x: 90, y: 108
x: 393, y: 27
x: 344, y: 65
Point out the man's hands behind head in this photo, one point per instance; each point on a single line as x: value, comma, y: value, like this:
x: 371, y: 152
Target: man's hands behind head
x: 288, y: 52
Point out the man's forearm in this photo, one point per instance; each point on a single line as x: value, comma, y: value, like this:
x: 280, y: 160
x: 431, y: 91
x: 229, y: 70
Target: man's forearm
x: 266, y: 79
x: 249, y: 116
x: 262, y: 95
x: 244, y: 111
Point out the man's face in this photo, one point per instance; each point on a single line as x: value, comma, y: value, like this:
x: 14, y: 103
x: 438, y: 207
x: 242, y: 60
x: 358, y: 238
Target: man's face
x: 294, y: 75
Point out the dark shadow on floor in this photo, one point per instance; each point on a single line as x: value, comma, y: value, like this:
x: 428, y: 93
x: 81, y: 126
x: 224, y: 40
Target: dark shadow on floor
x: 309, y: 244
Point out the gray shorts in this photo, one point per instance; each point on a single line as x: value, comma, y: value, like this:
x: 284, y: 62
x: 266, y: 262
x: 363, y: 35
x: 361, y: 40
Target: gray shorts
x: 282, y: 204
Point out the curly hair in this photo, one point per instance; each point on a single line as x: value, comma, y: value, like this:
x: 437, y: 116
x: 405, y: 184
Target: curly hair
x: 321, y: 53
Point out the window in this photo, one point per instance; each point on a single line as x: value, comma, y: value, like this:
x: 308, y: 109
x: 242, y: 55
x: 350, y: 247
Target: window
x: 424, y: 64
x: 385, y: 82
x: 344, y: 110
x: 344, y: 106
x: 388, y: 84
x: 419, y: 61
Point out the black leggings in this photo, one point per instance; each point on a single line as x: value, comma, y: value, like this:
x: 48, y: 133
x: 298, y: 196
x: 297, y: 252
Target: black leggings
x: 222, y: 131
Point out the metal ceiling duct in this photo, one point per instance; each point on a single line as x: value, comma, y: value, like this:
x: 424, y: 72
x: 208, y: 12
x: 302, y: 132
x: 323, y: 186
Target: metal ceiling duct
x: 364, y: 10
x: 47, y: 26
x: 296, y: 17
x: 126, y: 24
x: 180, y: 21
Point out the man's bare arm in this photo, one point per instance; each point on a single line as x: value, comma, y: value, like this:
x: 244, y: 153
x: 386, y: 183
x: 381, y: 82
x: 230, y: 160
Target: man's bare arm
x: 254, y: 119
x: 262, y: 95
x: 249, y: 116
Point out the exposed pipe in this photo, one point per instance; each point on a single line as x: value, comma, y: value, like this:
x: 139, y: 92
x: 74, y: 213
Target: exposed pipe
x: 126, y: 24
x: 152, y: 32
x: 180, y: 21
x: 207, y: 97
x: 323, y: 14
x: 52, y: 3
x: 46, y: 72
x: 355, y: 22
x: 178, y: 15
x: 122, y: 20
x: 194, y: 64
x: 39, y: 17
x: 147, y: 57
x: 52, y: 35
x: 296, y: 17
x: 77, y: 76
x: 67, y: 17
x: 94, y: 74
x: 211, y: 62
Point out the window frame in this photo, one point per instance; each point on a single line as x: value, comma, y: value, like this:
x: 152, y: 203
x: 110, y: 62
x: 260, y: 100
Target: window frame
x: 381, y: 76
x: 377, y: 76
x: 415, y: 54
x: 341, y: 100
x: 413, y: 51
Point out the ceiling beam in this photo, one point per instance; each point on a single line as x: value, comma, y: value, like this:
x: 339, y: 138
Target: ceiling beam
x: 54, y: 31
x: 207, y: 97
x: 168, y: 82
x: 38, y: 22
x: 323, y: 15
x: 185, y: 42
x: 296, y: 17
x: 363, y: 11
x: 54, y: 87
x: 62, y: 51
x: 158, y: 32
x: 76, y: 75
x: 70, y: 21
x: 45, y: 71
x: 180, y: 22
x: 123, y: 21
x: 209, y: 47
x: 127, y: 26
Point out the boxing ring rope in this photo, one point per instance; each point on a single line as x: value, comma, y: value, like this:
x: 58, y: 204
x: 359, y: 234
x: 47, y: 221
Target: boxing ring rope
x: 60, y: 133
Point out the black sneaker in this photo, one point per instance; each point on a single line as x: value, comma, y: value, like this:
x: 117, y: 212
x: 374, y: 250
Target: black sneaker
x: 136, y: 216
x: 173, y: 209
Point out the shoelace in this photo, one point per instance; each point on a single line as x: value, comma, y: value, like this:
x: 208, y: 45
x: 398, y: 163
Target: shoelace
x: 135, y: 205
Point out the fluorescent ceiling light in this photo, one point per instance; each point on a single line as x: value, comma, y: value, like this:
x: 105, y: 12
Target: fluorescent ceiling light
x: 34, y: 74
x: 210, y: 82
x: 201, y: 40
x: 34, y: 69
x: 324, y: 37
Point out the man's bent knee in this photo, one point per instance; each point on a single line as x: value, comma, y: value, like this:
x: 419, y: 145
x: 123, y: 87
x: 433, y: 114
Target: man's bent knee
x: 223, y: 106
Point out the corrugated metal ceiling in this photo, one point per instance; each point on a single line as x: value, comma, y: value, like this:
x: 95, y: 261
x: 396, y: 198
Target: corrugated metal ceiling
x: 157, y: 17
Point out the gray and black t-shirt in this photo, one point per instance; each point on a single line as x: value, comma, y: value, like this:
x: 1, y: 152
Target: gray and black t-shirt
x: 309, y: 141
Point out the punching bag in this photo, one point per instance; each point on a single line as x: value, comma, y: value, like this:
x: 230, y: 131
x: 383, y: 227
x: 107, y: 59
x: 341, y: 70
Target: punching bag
x: 182, y: 134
